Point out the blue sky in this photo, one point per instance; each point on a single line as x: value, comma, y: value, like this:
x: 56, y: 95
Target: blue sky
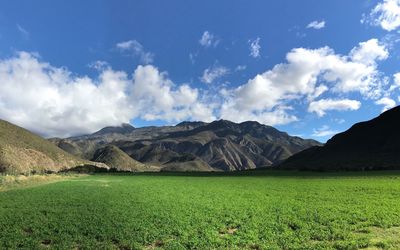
x: 311, y: 68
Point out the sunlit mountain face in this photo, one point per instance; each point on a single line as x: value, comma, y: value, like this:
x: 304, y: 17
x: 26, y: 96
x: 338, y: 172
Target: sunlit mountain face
x: 311, y: 68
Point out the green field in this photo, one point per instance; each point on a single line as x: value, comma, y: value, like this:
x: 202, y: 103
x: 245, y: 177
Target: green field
x: 258, y: 210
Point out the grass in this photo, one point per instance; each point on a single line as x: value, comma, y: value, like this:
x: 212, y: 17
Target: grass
x: 8, y: 182
x: 255, y: 210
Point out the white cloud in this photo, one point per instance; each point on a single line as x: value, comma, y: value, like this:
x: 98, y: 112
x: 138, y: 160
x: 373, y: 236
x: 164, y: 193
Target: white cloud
x: 135, y: 48
x: 277, y: 116
x: 339, y: 120
x: 208, y: 40
x: 396, y: 82
x: 52, y: 101
x: 25, y: 34
x: 192, y: 57
x: 240, y: 68
x: 385, y: 14
x: 369, y: 52
x: 55, y: 102
x: 99, y: 65
x: 157, y: 97
x: 321, y: 106
x: 307, y: 74
x: 213, y: 73
x: 323, y: 131
x: 358, y: 72
x: 316, y: 25
x: 397, y: 78
x: 319, y: 90
x: 255, y: 48
x: 386, y: 102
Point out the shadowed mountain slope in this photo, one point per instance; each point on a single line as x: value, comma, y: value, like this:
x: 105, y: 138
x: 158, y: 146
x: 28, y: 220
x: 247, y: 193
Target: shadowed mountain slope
x: 373, y: 144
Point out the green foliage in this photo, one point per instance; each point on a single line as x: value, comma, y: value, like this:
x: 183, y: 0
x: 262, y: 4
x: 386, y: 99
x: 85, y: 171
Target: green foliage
x: 258, y: 210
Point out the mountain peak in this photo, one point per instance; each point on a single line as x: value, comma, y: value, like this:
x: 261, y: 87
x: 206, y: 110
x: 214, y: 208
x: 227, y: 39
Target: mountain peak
x: 190, y: 124
x: 220, y: 145
x: 126, y: 125
x: 124, y: 128
x: 222, y: 124
x: 250, y: 123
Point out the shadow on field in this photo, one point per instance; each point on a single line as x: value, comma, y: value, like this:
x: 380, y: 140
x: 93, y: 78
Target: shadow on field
x: 265, y: 173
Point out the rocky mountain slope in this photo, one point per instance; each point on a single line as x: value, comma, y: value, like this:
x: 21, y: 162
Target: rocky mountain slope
x: 23, y: 152
x: 373, y: 144
x: 117, y: 159
x: 85, y: 146
x: 220, y: 145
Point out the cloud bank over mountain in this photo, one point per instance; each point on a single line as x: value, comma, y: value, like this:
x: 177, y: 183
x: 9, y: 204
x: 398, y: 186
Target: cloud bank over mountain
x: 54, y: 101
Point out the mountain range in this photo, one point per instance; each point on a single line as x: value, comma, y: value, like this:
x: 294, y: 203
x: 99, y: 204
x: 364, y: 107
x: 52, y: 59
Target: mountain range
x: 193, y: 146
x: 198, y: 146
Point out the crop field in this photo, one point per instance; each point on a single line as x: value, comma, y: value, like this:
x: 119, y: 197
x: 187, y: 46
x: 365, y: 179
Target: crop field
x: 257, y: 210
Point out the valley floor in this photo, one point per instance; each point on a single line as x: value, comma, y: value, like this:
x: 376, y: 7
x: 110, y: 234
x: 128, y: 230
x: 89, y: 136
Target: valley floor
x: 255, y: 210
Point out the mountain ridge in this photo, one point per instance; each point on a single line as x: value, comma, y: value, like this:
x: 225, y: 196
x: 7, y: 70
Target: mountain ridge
x: 373, y: 144
x: 219, y: 145
x: 23, y: 152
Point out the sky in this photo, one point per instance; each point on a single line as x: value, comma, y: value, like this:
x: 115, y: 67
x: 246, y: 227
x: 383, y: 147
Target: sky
x: 310, y: 68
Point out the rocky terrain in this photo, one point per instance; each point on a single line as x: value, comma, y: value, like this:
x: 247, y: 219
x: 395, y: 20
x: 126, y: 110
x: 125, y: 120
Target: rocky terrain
x: 117, y: 159
x: 22, y: 152
x: 196, y: 146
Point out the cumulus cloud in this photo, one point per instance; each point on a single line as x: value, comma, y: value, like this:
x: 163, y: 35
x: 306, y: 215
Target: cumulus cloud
x: 55, y: 102
x: 396, y: 82
x: 386, y: 102
x: 321, y: 106
x: 134, y: 48
x: 213, y: 73
x: 397, y: 78
x: 385, y: 14
x: 52, y: 101
x: 316, y: 25
x: 306, y: 75
x: 369, y: 52
x: 359, y: 71
x: 277, y: 116
x: 255, y: 48
x: 157, y: 97
x: 208, y: 40
x: 324, y: 131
